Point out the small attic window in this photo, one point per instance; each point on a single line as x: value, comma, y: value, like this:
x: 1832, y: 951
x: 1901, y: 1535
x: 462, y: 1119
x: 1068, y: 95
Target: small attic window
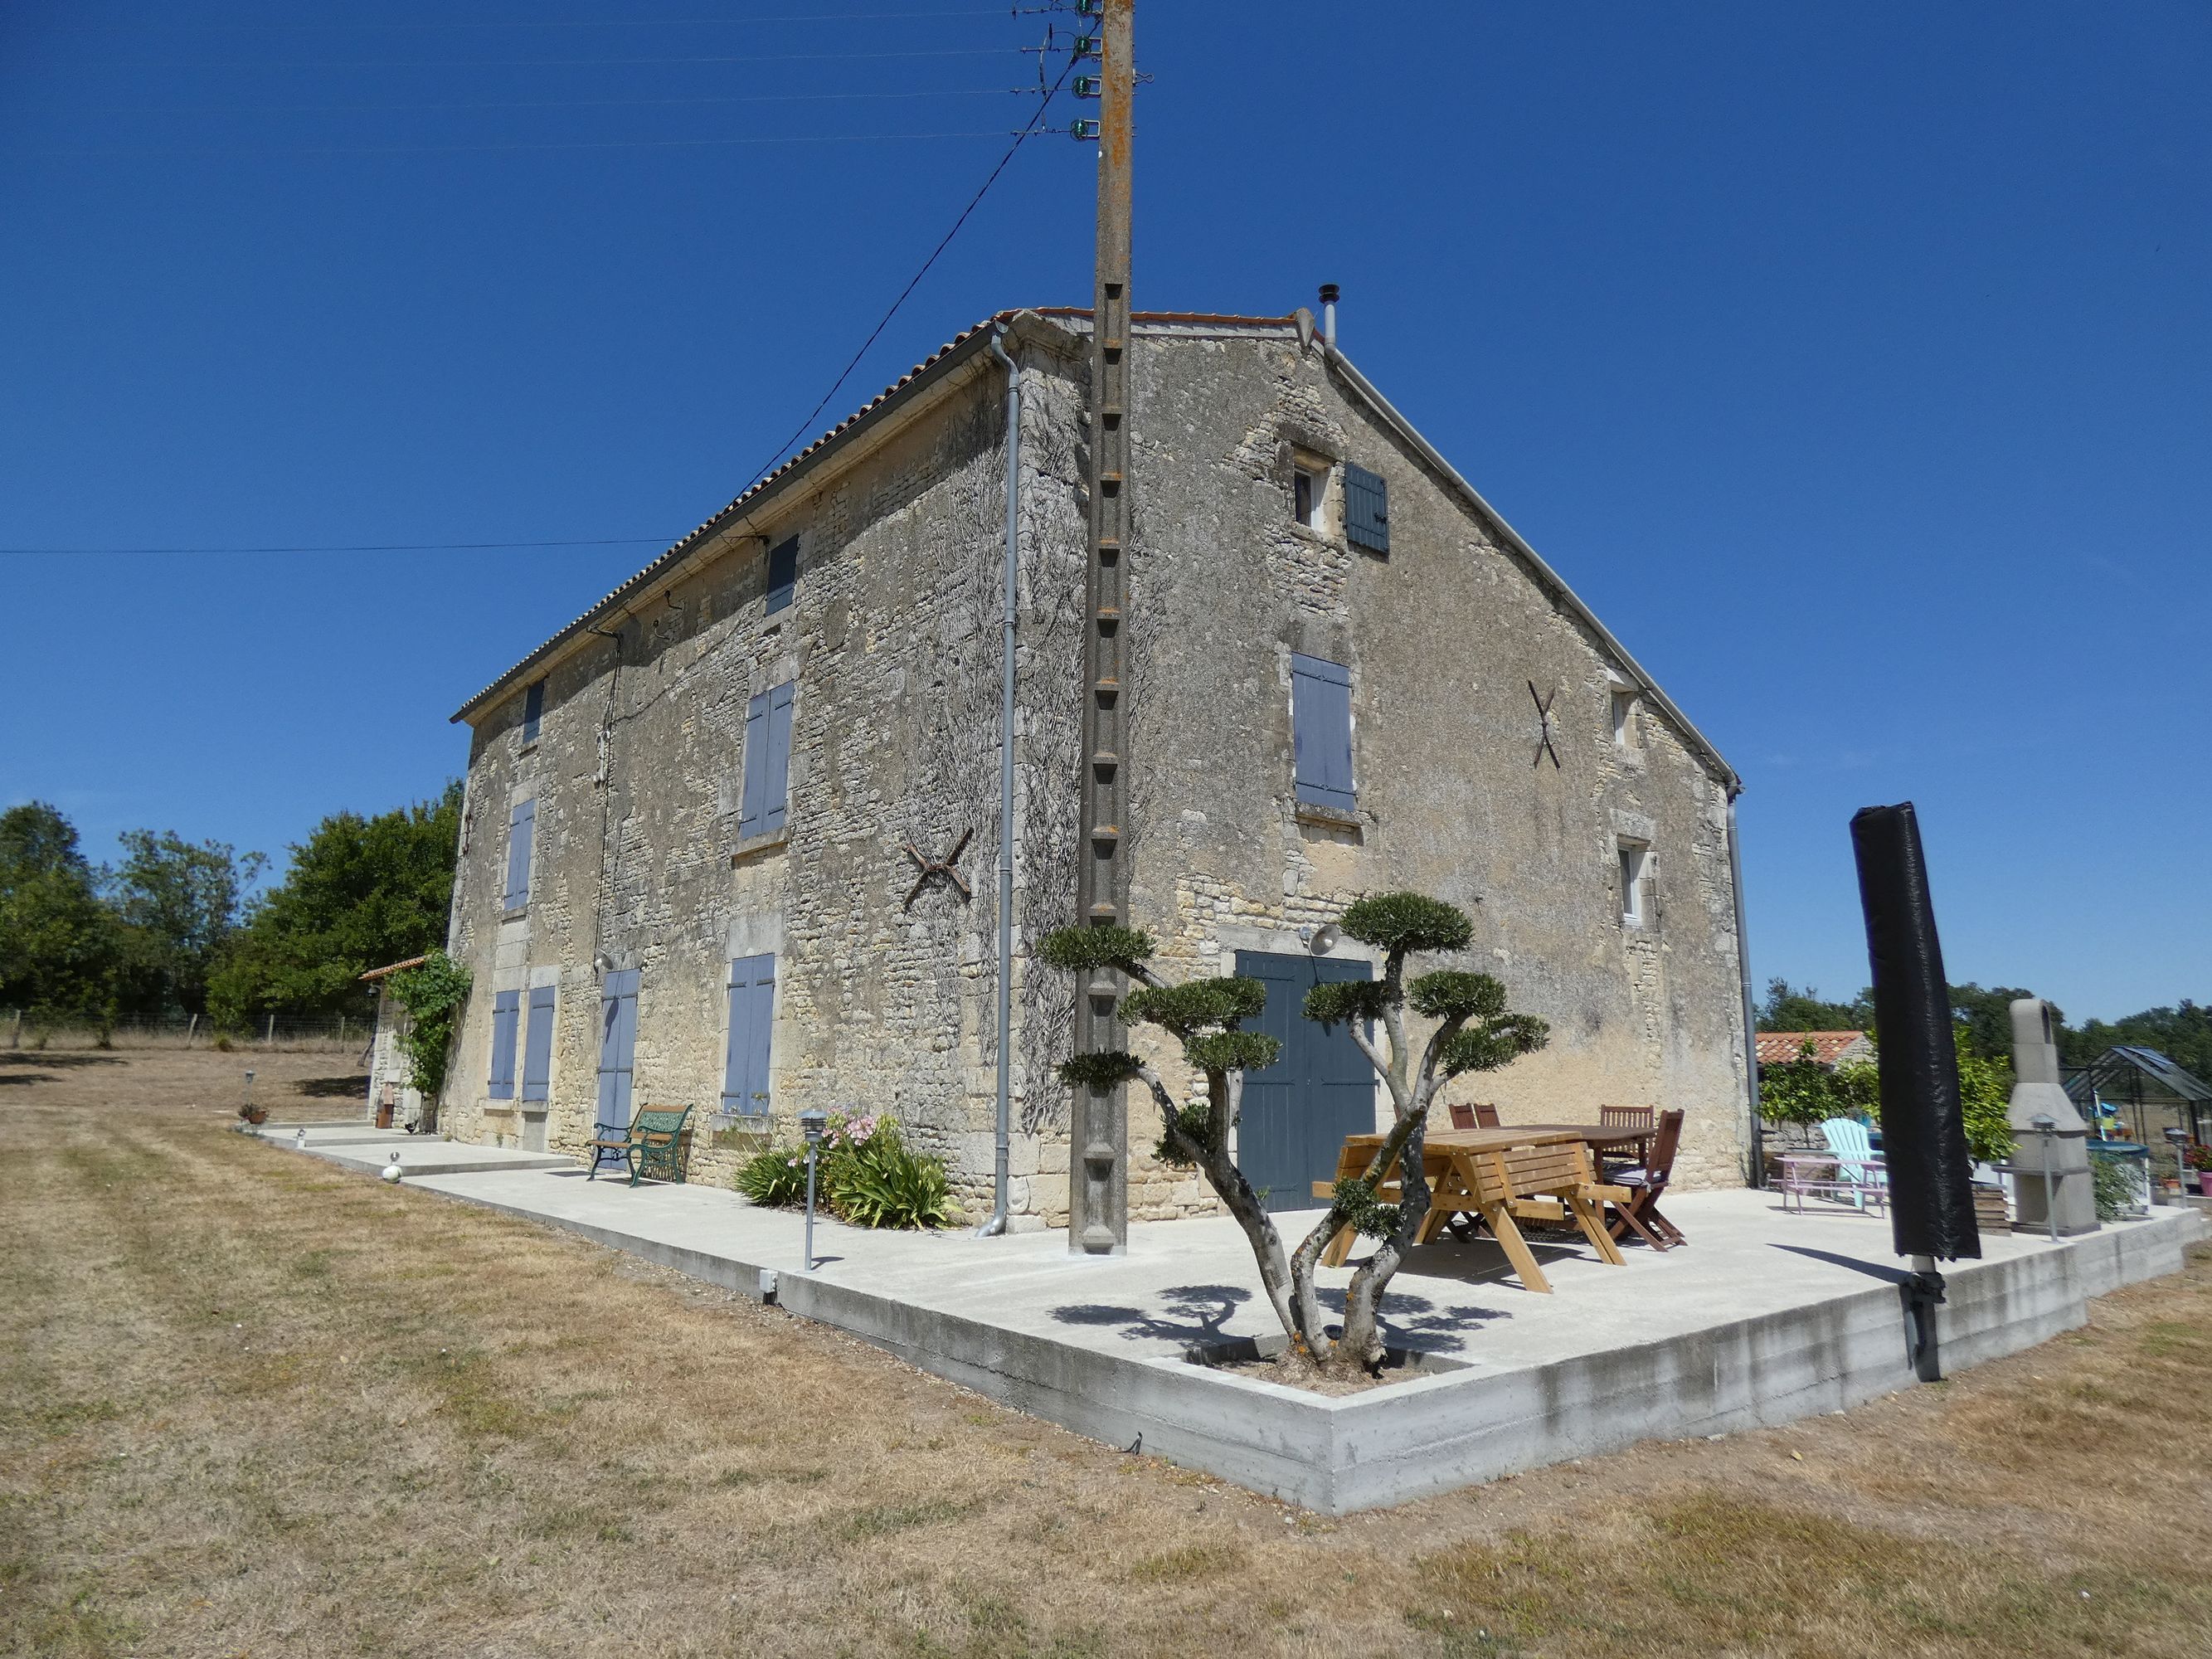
x: 1624, y: 718
x: 533, y: 711
x: 1308, y: 490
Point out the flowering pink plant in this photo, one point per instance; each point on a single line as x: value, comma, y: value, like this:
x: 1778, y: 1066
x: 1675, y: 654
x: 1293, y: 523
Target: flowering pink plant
x: 858, y: 1130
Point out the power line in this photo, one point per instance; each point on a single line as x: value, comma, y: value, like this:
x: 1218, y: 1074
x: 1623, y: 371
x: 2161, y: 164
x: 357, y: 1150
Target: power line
x: 562, y: 62
x: 536, y: 23
x: 1020, y: 138
x: 527, y: 103
x: 367, y: 547
x: 466, y: 150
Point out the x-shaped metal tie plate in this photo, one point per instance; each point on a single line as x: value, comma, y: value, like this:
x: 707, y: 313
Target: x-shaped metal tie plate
x: 1544, y: 726
x: 938, y: 869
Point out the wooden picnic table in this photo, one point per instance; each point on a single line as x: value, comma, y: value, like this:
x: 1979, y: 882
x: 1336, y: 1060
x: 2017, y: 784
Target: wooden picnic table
x: 1531, y: 1172
x: 1598, y: 1137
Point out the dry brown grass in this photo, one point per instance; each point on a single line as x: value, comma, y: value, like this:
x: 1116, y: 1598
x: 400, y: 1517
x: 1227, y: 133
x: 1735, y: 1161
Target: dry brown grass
x: 253, y: 1405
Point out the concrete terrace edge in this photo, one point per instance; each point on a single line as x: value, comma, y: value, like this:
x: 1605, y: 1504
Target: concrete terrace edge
x: 1438, y: 1433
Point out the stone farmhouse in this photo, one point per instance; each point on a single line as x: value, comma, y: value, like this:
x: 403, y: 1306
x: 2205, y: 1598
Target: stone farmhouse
x: 732, y: 837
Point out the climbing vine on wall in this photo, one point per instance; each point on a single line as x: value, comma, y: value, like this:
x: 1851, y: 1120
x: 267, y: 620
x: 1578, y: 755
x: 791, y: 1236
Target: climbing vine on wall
x: 433, y: 994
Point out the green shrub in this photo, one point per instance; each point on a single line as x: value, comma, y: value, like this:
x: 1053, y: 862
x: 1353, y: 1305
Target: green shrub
x: 776, y: 1177
x: 2115, y: 1189
x: 881, y: 1184
x: 865, y: 1174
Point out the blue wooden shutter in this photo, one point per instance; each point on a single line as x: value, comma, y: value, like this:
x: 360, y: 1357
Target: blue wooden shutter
x: 782, y: 574
x: 618, y: 1047
x: 752, y: 1019
x: 778, y: 788
x: 1321, y: 727
x: 757, y: 767
x: 537, y: 1045
x: 504, y: 1010
x: 533, y: 710
x: 1366, y: 509
x: 521, y: 824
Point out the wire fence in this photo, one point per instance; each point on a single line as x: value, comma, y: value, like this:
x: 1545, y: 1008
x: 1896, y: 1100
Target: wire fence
x: 300, y: 1033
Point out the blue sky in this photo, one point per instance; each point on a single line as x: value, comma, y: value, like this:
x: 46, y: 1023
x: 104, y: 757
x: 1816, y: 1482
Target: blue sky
x: 1853, y: 365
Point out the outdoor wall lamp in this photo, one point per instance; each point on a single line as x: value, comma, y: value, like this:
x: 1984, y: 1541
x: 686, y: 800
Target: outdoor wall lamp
x: 812, y: 1122
x: 1320, y: 940
x: 603, y: 964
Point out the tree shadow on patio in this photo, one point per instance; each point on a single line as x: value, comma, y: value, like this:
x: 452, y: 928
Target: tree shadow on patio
x: 1195, y: 1313
x: 1198, y: 1315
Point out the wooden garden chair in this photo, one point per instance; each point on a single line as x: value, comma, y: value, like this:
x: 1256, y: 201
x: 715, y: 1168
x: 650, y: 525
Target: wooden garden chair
x: 1480, y: 1115
x: 1637, y: 1119
x: 1639, y: 1211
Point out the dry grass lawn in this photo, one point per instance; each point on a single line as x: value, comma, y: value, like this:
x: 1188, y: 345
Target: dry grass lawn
x: 255, y: 1406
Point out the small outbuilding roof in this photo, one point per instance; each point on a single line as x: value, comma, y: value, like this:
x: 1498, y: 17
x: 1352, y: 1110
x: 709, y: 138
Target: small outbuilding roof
x: 1780, y: 1048
x: 394, y: 967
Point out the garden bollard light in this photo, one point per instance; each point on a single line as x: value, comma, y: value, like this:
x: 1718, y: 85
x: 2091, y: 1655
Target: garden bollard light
x: 813, y: 1120
x: 2178, y: 1138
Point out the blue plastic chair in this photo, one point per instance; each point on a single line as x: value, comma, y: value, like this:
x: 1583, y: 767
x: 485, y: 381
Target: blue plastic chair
x: 1857, y: 1165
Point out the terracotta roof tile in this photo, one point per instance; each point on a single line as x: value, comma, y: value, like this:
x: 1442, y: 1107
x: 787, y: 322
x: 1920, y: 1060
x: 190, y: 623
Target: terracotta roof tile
x: 1778, y: 1048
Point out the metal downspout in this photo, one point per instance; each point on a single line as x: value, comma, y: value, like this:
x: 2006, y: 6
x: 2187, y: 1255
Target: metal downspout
x: 1750, y: 1020
x: 997, y: 1224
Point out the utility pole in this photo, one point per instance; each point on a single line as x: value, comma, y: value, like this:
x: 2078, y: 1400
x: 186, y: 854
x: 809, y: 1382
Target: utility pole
x: 1098, y: 1182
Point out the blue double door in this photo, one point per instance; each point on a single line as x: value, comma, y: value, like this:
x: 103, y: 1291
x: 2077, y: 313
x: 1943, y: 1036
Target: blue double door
x: 1320, y: 1089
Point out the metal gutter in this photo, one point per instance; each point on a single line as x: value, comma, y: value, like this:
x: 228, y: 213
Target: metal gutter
x: 1549, y: 577
x: 1757, y: 1137
x: 1003, y: 1140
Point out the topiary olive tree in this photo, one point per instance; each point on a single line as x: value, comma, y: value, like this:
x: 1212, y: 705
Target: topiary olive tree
x: 1474, y: 1031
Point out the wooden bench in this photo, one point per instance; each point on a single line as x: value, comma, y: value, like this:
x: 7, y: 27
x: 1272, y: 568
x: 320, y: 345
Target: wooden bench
x: 651, y: 1146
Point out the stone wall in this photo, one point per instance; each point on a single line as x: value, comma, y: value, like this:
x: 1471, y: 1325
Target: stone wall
x: 892, y: 641
x: 1443, y: 635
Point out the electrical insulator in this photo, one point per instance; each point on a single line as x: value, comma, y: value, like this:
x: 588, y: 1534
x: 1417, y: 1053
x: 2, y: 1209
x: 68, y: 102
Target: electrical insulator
x: 1089, y: 85
x: 1086, y: 46
x: 1083, y: 129
x: 1089, y: 8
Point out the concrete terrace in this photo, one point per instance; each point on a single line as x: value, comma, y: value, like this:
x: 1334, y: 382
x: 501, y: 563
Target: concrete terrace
x: 1765, y: 1317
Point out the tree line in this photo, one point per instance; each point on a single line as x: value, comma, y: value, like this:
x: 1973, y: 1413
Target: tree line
x: 1982, y: 1018
x: 174, y: 929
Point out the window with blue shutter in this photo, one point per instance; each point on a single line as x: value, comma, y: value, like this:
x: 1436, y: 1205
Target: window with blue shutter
x: 1321, y: 729
x: 504, y: 1007
x: 533, y: 710
x: 752, y: 1022
x: 768, y: 762
x: 782, y: 574
x: 537, y: 1045
x: 521, y: 825
x: 1366, y: 509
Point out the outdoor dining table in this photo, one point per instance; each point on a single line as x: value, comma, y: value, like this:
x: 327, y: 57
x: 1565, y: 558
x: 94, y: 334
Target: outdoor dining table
x: 1532, y: 1172
x: 1602, y: 1139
